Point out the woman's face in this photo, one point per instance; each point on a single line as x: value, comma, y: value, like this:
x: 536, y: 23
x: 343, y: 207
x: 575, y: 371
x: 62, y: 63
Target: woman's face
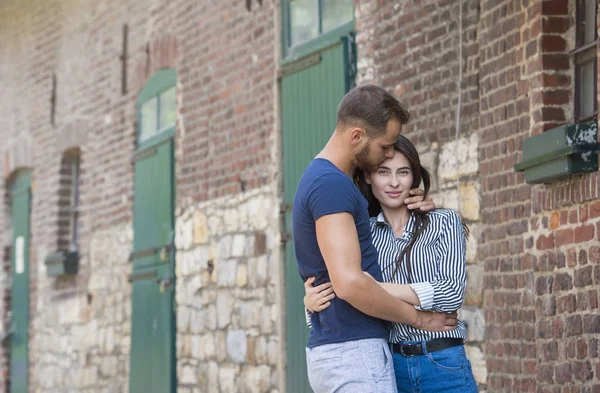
x: 392, y: 181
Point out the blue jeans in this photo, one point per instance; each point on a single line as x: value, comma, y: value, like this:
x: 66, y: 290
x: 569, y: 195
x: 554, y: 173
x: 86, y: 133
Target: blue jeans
x: 445, y: 371
x: 359, y: 366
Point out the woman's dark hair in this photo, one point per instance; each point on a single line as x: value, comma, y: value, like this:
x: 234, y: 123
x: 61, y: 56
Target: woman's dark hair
x: 403, y: 145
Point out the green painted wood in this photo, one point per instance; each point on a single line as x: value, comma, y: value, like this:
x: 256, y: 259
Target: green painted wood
x: 153, y: 315
x: 309, y: 103
x: 159, y: 82
x: 19, y: 323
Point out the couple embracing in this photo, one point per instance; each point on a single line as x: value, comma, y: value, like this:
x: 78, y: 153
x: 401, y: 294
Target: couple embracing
x: 384, y: 271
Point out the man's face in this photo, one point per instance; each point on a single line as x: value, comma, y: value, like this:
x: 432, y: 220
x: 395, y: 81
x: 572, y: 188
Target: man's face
x: 380, y: 148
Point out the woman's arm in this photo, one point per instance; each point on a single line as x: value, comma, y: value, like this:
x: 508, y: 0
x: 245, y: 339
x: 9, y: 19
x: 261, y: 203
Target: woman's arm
x: 445, y: 293
x: 401, y: 291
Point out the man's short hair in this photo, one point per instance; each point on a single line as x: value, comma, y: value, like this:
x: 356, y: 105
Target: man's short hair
x: 371, y: 107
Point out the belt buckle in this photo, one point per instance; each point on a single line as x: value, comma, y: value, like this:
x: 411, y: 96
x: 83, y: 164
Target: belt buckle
x: 402, y: 350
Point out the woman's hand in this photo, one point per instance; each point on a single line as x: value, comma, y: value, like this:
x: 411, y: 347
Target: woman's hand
x: 417, y: 202
x: 317, y: 298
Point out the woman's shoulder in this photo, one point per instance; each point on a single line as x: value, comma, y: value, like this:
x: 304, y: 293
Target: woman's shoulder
x: 443, y: 214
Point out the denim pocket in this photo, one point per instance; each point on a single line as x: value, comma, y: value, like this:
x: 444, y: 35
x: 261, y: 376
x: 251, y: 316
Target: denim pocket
x: 449, y: 359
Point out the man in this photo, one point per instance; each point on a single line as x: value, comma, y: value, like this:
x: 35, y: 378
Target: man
x: 347, y: 349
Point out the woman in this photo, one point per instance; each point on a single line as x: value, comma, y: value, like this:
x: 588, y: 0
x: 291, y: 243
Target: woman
x: 422, y: 258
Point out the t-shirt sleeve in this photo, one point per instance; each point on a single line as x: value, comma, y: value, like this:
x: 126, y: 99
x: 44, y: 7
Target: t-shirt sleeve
x: 330, y: 194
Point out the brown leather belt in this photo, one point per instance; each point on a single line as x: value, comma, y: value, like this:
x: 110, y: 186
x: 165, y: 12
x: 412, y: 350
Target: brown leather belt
x: 431, y: 346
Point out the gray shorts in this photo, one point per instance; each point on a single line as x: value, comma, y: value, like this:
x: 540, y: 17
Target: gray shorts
x: 364, y: 366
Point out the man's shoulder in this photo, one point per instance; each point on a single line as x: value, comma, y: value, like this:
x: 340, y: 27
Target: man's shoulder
x: 321, y: 173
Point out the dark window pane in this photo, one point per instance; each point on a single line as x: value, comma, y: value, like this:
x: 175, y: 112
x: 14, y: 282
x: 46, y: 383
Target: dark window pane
x: 74, y: 203
x: 590, y: 21
x: 304, y: 20
x: 337, y: 12
x: 586, y: 89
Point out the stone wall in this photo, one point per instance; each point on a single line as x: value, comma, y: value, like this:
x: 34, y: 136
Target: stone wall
x: 82, y: 336
x: 228, y: 270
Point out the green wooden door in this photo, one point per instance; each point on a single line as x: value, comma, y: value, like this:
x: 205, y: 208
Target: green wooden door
x: 19, y: 321
x: 153, y: 314
x: 310, y: 95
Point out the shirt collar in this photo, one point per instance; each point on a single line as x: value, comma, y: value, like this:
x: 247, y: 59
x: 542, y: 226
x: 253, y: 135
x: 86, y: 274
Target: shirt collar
x: 408, y: 230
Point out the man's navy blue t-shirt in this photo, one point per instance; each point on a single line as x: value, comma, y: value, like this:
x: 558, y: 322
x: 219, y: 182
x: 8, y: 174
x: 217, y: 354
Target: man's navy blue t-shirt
x: 322, y: 190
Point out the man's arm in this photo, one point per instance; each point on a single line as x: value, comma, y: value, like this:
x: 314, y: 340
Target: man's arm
x: 339, y: 245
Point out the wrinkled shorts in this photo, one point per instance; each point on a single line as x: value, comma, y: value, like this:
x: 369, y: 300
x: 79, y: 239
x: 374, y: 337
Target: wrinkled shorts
x: 364, y: 366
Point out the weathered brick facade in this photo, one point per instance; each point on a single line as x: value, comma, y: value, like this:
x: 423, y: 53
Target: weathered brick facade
x: 537, y: 246
x: 533, y: 260
x: 224, y: 54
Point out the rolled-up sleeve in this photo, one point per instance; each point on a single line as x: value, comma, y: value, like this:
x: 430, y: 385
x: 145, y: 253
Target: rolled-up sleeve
x: 451, y: 278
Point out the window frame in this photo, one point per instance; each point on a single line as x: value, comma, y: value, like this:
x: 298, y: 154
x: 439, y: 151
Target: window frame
x: 323, y: 40
x: 584, y: 50
x: 160, y: 82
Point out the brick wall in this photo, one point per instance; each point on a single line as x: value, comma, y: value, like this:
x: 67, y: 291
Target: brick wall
x: 411, y: 49
x: 224, y: 55
x: 536, y: 246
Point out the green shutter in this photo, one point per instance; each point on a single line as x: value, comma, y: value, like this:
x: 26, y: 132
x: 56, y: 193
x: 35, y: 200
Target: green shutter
x: 310, y: 97
x: 19, y: 322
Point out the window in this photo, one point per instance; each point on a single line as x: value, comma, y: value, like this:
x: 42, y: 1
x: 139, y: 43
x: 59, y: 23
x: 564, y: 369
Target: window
x: 307, y: 19
x: 586, y: 101
x: 69, y: 201
x: 157, y: 114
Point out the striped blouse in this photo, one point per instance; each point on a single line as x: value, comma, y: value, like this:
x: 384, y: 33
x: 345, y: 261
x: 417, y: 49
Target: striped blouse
x: 438, y: 268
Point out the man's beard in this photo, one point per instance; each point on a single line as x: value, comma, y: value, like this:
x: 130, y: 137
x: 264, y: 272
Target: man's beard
x: 363, y: 160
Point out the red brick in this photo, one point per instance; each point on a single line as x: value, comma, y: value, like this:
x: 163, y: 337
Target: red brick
x: 595, y: 210
x: 583, y: 277
x: 563, y: 236
x: 545, y: 242
x: 554, y: 7
x: 584, y: 233
x: 573, y: 217
x: 583, y: 214
x: 553, y: 43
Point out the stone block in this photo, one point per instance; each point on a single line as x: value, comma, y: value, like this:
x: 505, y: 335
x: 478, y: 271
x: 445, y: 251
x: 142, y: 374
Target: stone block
x: 227, y: 274
x: 225, y: 246
x: 224, y: 309
x: 475, y: 356
x: 201, y: 232
x: 459, y: 158
x: 238, y: 245
x: 213, y: 377
x: 474, y: 292
x: 242, y: 276
x: 472, y: 243
x: 232, y: 221
x: 250, y: 313
x: 236, y: 345
x: 469, y: 200
x: 256, y: 379
x: 188, y: 375
x: 184, y: 230
x: 227, y: 380
x: 474, y: 319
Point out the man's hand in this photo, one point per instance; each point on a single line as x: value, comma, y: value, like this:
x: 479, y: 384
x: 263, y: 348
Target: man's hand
x: 417, y: 202
x: 436, y: 322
